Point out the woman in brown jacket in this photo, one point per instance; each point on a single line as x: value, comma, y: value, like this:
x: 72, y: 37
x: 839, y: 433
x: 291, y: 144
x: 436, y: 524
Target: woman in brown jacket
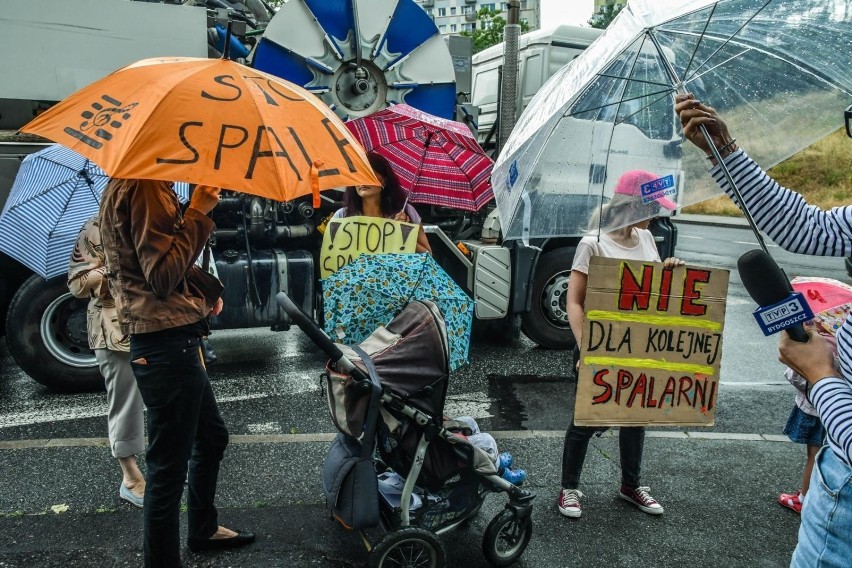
x: 162, y: 299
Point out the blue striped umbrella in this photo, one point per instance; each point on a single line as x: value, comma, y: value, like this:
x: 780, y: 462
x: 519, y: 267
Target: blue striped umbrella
x: 55, y: 192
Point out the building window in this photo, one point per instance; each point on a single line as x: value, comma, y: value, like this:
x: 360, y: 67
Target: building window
x: 442, y: 11
x: 525, y: 21
x: 487, y: 6
x: 453, y: 28
x: 467, y: 27
x: 504, y: 6
x: 442, y: 29
x: 452, y: 11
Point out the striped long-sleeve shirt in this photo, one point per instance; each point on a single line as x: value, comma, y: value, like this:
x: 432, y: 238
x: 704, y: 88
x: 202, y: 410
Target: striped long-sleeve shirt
x: 798, y: 227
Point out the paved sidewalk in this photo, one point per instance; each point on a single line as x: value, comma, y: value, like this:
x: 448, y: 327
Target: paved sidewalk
x: 719, y: 496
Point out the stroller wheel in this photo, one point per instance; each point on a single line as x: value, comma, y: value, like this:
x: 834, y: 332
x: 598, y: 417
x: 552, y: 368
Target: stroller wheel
x: 506, y: 538
x: 408, y: 547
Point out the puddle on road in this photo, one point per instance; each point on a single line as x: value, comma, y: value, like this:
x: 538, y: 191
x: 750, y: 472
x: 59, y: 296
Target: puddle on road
x: 525, y: 402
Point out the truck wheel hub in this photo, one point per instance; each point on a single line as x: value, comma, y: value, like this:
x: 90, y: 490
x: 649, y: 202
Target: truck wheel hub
x: 63, y: 330
x: 555, y: 299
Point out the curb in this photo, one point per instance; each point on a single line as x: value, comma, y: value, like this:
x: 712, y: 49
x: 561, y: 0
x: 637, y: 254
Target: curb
x: 712, y: 221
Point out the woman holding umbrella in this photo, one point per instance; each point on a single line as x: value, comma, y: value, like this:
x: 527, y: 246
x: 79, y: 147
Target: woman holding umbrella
x: 626, y: 238
x: 798, y: 227
x: 386, y: 200
x: 162, y: 299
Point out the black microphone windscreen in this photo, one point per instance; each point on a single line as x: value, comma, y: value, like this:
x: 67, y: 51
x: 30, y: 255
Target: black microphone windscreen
x: 763, y: 279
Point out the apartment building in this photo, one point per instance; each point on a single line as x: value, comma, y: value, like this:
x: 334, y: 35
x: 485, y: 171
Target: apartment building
x: 456, y: 16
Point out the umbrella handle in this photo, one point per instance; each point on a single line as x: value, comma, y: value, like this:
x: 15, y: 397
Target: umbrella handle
x: 318, y: 336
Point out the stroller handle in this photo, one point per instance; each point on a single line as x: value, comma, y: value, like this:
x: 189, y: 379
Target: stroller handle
x: 313, y: 331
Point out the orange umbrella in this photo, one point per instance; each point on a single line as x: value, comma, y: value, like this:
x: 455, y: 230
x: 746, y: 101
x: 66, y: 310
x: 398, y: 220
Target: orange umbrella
x: 208, y: 121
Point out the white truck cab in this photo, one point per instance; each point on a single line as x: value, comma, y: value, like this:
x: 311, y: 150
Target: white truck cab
x: 540, y: 54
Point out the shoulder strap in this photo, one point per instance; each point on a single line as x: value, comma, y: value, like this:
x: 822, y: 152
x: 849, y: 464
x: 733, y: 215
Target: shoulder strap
x: 369, y: 437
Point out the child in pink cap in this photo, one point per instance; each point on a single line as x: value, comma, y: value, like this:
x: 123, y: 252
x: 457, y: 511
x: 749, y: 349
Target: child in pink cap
x: 621, y: 231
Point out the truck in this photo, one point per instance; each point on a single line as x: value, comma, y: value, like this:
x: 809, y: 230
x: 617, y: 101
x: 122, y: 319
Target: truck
x: 356, y: 55
x: 541, y: 53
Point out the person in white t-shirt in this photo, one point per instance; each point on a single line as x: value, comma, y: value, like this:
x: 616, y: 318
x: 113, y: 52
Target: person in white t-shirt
x: 635, y: 242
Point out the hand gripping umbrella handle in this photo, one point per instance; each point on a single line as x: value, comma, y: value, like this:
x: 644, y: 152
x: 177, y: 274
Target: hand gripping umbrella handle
x: 317, y: 335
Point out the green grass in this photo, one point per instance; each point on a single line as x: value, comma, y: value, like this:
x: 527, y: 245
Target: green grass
x: 822, y: 173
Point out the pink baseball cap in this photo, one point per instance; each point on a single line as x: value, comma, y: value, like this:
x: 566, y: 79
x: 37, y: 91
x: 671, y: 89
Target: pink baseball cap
x: 631, y: 182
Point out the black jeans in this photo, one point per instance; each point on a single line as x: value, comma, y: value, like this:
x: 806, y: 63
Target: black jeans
x: 184, y: 429
x: 631, y: 441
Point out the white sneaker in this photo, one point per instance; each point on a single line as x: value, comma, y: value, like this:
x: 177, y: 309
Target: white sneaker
x: 569, y: 503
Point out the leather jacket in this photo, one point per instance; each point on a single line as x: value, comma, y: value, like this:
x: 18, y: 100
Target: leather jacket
x: 150, y: 251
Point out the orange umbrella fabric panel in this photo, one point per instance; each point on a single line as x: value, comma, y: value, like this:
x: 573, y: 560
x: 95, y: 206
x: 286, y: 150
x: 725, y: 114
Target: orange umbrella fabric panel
x: 208, y: 121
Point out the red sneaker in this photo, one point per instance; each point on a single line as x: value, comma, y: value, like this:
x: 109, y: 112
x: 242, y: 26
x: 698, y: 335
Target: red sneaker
x: 569, y: 503
x: 792, y: 501
x: 642, y: 499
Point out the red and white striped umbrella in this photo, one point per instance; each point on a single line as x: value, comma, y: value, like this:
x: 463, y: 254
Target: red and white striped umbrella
x: 437, y: 161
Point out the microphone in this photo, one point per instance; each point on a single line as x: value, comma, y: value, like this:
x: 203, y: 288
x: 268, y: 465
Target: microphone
x: 767, y: 285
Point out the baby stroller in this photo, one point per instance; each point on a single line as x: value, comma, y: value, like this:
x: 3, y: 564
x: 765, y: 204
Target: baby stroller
x: 394, y: 463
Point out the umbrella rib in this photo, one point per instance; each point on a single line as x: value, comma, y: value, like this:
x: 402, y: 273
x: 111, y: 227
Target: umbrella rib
x: 612, y: 132
x: 725, y: 62
x: 633, y: 80
x: 746, y: 48
x: 698, y: 43
x: 62, y: 213
x: 652, y: 103
x: 724, y: 43
x: 42, y: 192
x: 135, y: 140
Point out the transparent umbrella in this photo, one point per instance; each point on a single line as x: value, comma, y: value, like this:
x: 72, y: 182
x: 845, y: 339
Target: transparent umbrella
x: 777, y: 69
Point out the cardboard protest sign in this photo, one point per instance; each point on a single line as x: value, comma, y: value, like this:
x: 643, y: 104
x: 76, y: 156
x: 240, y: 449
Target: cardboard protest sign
x: 651, y: 345
x: 346, y: 238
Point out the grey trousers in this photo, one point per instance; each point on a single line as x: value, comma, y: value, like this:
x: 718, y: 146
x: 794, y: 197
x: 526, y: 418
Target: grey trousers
x: 124, y: 404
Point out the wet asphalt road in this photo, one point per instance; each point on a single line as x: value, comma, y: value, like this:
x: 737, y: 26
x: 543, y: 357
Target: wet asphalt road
x: 718, y: 492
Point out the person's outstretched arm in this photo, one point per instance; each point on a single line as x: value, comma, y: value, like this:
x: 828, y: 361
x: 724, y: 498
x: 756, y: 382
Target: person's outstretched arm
x: 782, y: 213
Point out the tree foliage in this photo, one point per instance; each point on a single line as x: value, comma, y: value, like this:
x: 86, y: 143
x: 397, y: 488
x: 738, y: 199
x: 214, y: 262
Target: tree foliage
x: 489, y: 29
x: 604, y: 18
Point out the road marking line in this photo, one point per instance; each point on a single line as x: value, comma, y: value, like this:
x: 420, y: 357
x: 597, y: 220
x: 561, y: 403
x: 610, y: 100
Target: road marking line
x: 769, y: 245
x: 329, y: 436
x: 690, y: 237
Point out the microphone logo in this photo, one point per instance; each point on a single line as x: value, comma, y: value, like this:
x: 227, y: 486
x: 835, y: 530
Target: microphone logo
x: 792, y: 310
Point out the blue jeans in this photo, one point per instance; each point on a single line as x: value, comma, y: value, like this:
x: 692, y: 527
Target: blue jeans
x: 825, y: 535
x: 184, y: 429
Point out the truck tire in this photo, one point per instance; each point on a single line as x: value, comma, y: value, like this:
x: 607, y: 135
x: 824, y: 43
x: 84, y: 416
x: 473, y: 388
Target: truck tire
x: 546, y: 322
x: 47, y: 337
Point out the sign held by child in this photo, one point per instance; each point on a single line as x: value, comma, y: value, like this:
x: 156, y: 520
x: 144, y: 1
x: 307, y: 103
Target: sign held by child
x: 652, y: 344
